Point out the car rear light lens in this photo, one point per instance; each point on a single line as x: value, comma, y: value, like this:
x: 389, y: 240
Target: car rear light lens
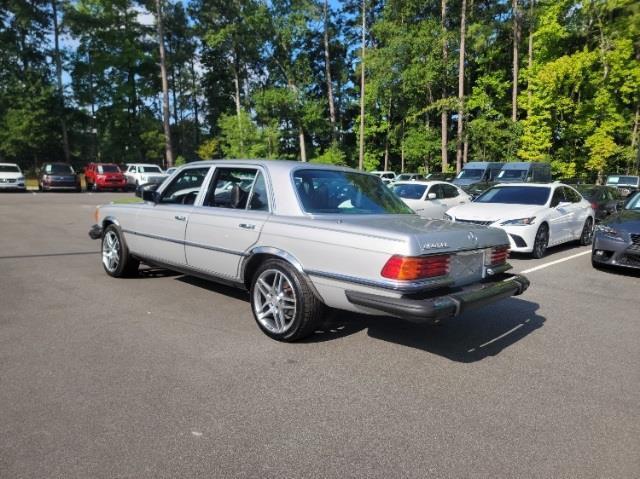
x: 594, y: 206
x: 497, y: 256
x: 415, y: 267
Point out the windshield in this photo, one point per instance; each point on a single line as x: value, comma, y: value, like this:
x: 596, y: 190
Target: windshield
x: 326, y: 191
x: 622, y: 180
x: 633, y: 203
x: 58, y: 169
x: 470, y: 173
x: 9, y: 169
x: 108, y: 169
x: 404, y: 176
x: 513, y: 174
x: 409, y: 192
x: 150, y: 169
x: 516, y: 195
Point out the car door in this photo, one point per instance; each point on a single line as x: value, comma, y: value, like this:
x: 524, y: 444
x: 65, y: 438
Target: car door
x: 579, y: 211
x: 160, y: 227
x: 436, y: 207
x: 560, y: 217
x: 229, y: 220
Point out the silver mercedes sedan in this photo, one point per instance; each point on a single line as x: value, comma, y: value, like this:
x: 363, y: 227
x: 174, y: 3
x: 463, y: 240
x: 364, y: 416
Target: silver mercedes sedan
x: 302, y: 237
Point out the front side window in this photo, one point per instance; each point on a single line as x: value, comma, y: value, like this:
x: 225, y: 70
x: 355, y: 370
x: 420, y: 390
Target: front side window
x: 438, y: 191
x: 558, y: 197
x: 231, y: 188
x: 328, y: 191
x: 185, y: 187
x: 572, y: 195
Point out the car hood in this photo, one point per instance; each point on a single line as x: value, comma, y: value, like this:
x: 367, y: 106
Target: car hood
x: 64, y: 176
x: 10, y: 175
x: 626, y: 220
x: 494, y: 211
x: 424, y: 236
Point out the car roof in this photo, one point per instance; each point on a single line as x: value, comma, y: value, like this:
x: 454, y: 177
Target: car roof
x: 423, y: 182
x: 529, y: 184
x: 8, y: 164
x: 275, y: 165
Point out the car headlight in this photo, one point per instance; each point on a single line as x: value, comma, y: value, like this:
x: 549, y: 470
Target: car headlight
x: 609, y: 232
x: 519, y: 221
x: 448, y: 217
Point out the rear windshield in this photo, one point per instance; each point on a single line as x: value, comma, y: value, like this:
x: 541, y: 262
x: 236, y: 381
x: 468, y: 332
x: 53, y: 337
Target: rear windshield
x: 108, y: 169
x: 326, y: 191
x: 58, y: 169
x: 471, y: 173
x: 409, y: 192
x: 516, y: 195
x: 9, y: 169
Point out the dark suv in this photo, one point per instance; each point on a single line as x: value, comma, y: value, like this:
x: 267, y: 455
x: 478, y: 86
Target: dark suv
x: 58, y: 176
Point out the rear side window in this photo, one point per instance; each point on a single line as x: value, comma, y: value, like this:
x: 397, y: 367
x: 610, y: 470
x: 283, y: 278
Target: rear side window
x: 232, y: 187
x: 449, y: 191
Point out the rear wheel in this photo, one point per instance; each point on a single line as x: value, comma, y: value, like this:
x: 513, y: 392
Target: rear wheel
x: 116, y: 260
x: 587, y: 232
x: 541, y: 242
x: 282, y: 302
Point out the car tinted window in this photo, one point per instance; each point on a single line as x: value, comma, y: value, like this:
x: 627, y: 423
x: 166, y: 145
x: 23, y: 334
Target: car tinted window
x: 329, y: 191
x: 259, y: 201
x: 108, y: 169
x: 572, y: 195
x: 471, y: 173
x: 185, y: 187
x: 150, y: 169
x: 58, y: 169
x: 558, y: 197
x: 449, y: 191
x: 513, y: 175
x: 409, y: 192
x: 230, y: 188
x: 9, y: 169
x: 437, y: 190
x: 520, y: 195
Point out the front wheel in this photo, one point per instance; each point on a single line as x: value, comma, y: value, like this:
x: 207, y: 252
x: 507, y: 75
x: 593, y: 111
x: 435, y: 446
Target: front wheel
x: 116, y: 260
x: 282, y: 302
x: 587, y: 232
x: 541, y: 242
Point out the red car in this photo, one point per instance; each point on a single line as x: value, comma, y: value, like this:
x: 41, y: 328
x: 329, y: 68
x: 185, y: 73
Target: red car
x: 102, y: 176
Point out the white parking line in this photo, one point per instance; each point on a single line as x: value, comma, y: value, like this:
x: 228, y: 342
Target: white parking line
x: 551, y: 263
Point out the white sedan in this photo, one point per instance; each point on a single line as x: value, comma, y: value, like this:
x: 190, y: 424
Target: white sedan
x: 534, y: 215
x: 430, y: 199
x: 11, y: 177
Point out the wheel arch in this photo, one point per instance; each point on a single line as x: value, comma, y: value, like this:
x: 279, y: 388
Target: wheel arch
x: 260, y: 254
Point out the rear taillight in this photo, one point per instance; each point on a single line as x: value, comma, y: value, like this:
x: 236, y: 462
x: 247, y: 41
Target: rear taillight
x: 594, y: 206
x: 498, y: 255
x: 415, y: 267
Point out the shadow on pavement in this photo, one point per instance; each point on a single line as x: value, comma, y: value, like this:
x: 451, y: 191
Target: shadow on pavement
x: 551, y: 253
x: 468, y: 338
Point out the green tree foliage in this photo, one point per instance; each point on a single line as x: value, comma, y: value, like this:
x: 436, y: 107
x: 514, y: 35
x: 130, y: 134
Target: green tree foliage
x: 249, y: 78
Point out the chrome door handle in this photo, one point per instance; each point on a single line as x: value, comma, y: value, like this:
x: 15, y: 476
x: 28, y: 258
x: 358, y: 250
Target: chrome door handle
x: 247, y: 226
x: 180, y: 218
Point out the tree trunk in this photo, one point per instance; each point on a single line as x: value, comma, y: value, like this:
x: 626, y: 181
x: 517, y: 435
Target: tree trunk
x: 516, y: 41
x: 58, y: 60
x: 530, y: 57
x: 194, y: 96
x: 362, y: 66
x: 463, y: 29
x: 236, y: 98
x: 444, y: 116
x: 634, y: 140
x: 303, y: 147
x: 165, y: 87
x: 327, y: 69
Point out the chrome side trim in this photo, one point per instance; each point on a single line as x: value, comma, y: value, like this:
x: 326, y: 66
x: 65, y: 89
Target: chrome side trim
x: 185, y: 243
x: 274, y: 252
x: 405, y: 287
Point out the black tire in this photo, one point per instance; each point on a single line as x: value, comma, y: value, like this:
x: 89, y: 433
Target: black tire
x: 587, y: 232
x: 114, y: 246
x: 541, y: 242
x: 307, y: 312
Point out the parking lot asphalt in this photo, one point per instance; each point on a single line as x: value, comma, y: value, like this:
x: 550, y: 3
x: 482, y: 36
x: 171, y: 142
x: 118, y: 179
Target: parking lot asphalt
x: 168, y: 376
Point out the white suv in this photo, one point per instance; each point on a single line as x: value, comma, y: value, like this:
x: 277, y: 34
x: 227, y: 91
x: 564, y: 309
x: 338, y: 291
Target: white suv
x: 141, y: 173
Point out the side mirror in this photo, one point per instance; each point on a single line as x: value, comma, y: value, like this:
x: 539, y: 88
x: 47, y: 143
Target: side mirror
x: 148, y: 192
x: 431, y: 196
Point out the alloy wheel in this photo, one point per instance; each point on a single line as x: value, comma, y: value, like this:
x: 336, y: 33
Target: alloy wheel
x: 274, y: 301
x: 111, y: 251
x: 541, y: 242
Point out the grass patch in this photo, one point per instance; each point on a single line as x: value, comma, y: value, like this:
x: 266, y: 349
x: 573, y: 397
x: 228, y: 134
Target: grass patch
x: 127, y: 200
